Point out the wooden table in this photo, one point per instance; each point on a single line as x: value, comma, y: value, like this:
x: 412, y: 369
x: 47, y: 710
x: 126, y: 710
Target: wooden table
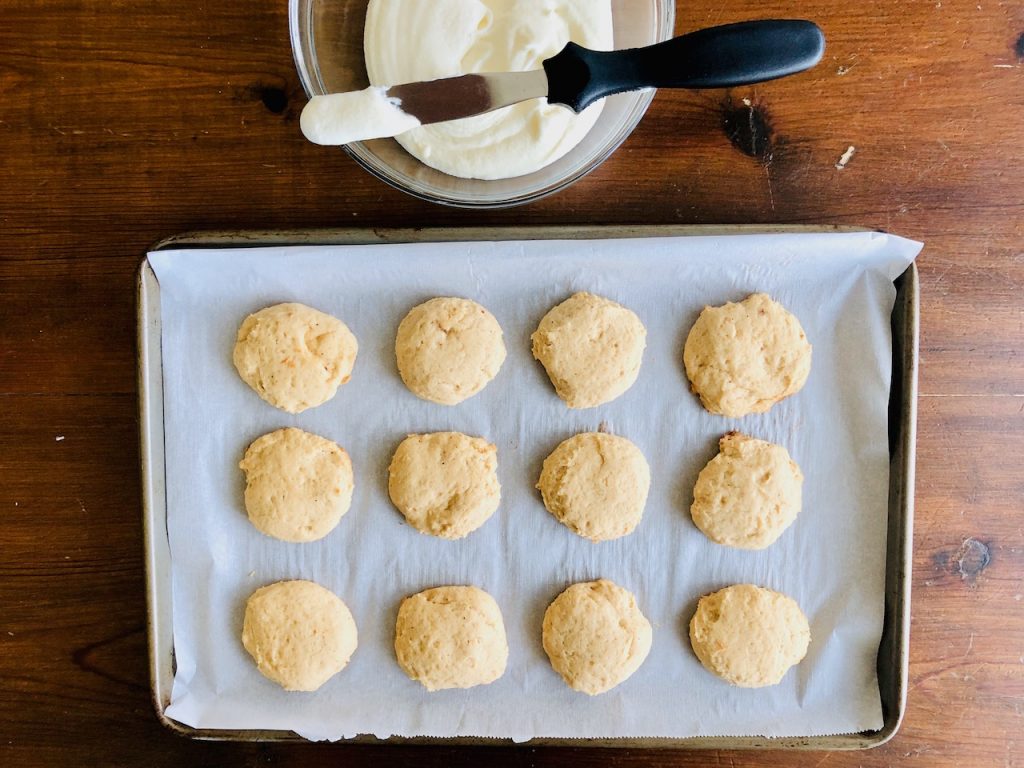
x: 126, y: 122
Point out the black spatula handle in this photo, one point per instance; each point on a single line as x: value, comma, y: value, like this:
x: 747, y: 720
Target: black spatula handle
x: 717, y: 57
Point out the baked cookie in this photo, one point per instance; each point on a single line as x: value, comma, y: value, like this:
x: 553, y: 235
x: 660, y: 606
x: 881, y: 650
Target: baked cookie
x: 749, y: 636
x: 448, y: 349
x: 297, y: 485
x: 595, y: 636
x: 748, y: 494
x: 743, y: 358
x: 298, y: 633
x: 445, y: 483
x: 294, y: 357
x: 591, y: 348
x: 451, y: 637
x: 596, y: 485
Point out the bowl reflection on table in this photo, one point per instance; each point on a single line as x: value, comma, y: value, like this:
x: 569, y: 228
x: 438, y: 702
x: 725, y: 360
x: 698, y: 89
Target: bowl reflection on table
x: 327, y: 41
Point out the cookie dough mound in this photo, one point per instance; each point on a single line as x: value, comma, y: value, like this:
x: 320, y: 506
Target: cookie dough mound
x: 448, y: 350
x: 749, y: 636
x: 591, y: 348
x: 748, y: 494
x: 298, y: 633
x: 298, y: 485
x: 294, y: 357
x: 595, y: 636
x: 445, y: 483
x: 596, y: 485
x: 743, y: 358
x: 451, y: 637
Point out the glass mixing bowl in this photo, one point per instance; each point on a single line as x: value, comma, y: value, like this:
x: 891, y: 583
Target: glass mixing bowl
x: 327, y: 41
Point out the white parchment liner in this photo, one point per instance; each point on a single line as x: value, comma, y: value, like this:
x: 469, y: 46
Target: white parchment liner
x: 831, y: 560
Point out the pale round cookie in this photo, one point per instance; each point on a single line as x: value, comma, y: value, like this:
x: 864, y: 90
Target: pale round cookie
x: 445, y: 483
x: 591, y: 348
x: 294, y: 357
x: 451, y: 637
x: 749, y: 636
x: 743, y: 358
x: 297, y: 485
x: 748, y: 494
x: 596, y: 636
x: 298, y: 633
x: 596, y: 485
x: 448, y: 349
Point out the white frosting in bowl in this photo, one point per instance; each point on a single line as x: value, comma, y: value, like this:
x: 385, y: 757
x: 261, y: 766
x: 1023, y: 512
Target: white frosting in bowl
x: 412, y: 40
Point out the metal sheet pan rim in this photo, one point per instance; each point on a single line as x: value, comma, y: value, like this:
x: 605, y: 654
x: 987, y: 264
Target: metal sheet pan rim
x: 894, y: 656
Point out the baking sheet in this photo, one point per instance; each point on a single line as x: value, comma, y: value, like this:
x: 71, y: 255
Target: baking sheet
x: 831, y: 560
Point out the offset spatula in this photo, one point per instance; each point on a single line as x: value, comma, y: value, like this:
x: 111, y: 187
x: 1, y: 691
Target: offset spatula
x: 717, y: 57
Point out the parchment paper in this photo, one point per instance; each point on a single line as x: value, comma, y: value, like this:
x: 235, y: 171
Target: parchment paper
x: 831, y: 560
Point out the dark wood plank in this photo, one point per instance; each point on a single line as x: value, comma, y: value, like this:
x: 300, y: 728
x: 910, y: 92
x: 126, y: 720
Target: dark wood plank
x: 128, y: 122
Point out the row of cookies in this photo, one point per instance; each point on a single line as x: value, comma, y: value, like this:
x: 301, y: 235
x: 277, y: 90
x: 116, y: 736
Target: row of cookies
x: 740, y: 358
x: 299, y: 485
x: 301, y: 634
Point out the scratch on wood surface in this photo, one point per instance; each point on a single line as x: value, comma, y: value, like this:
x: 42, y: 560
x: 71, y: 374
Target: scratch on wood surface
x: 938, y: 279
x: 844, y: 69
x: 749, y: 129
x: 917, y: 751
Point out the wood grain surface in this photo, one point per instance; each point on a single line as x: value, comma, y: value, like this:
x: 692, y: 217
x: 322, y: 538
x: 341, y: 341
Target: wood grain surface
x: 126, y: 122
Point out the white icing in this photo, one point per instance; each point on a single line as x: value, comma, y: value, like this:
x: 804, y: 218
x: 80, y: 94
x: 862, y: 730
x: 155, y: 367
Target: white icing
x: 340, y: 118
x: 413, y: 40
